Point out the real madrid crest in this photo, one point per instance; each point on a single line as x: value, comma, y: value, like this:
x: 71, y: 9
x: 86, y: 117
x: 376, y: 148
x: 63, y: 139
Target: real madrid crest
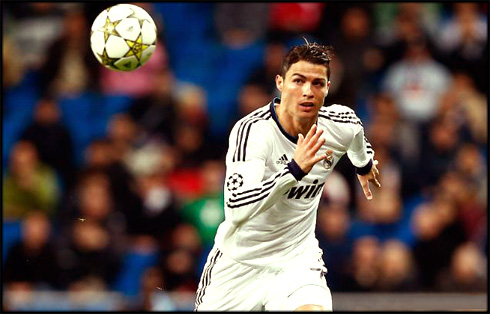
x: 328, y: 162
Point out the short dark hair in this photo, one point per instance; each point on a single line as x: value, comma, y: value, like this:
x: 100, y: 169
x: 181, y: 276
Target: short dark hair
x: 311, y: 52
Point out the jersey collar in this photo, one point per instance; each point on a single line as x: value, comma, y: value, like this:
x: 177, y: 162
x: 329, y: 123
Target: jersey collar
x: 277, y: 100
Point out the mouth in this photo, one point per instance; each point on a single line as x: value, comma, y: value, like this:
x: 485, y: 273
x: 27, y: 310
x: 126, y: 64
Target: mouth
x: 307, y: 104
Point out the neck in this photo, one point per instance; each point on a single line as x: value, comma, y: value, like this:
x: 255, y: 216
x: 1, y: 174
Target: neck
x: 293, y: 125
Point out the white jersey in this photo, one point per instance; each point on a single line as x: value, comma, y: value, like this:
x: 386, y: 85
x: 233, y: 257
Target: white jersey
x: 270, y: 216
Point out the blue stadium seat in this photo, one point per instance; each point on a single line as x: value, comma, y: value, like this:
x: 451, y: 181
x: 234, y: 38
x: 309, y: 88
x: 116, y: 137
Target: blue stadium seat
x: 112, y: 104
x: 11, y: 234
x: 19, y: 103
x: 134, y: 265
x: 77, y: 115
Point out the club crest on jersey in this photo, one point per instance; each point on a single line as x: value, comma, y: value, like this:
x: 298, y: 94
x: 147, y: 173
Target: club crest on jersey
x: 234, y: 182
x: 328, y: 162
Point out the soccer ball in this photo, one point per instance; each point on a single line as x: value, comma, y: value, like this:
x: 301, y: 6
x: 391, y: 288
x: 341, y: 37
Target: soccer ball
x: 123, y: 37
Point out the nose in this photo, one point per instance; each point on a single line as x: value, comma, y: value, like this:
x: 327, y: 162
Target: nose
x: 307, y: 92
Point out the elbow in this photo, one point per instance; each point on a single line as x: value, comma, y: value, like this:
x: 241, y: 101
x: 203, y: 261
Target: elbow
x: 235, y: 215
x: 236, y: 220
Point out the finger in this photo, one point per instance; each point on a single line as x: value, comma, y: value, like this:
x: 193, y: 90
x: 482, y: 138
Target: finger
x: 300, y: 139
x: 375, y: 164
x: 319, y: 158
x: 367, y: 191
x: 315, y: 137
x: 310, y: 133
x: 314, y: 140
x: 317, y: 146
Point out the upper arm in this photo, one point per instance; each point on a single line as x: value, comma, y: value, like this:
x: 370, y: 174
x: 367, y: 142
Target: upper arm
x: 248, y: 151
x: 249, y: 190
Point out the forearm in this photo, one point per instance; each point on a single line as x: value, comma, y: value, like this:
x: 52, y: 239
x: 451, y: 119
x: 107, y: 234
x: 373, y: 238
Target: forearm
x: 250, y: 200
x: 361, y: 153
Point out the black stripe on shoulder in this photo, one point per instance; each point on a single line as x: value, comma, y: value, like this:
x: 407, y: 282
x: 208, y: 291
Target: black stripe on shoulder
x: 340, y: 120
x: 243, y: 133
x: 251, y: 115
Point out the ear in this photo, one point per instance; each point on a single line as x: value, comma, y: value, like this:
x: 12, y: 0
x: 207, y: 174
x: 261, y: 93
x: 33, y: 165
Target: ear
x: 279, y: 82
x: 328, y: 87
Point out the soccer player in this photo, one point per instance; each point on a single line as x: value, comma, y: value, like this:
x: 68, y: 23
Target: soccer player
x: 266, y: 256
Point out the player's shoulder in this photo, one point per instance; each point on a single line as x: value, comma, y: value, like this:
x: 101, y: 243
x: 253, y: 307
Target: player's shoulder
x: 337, y: 109
x: 257, y: 117
x: 337, y: 113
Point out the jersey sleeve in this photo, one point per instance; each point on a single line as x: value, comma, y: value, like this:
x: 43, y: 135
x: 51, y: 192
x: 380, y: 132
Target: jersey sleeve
x: 247, y: 192
x: 360, y: 151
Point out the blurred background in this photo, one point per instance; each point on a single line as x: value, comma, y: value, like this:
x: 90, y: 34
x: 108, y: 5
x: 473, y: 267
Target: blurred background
x: 113, y: 182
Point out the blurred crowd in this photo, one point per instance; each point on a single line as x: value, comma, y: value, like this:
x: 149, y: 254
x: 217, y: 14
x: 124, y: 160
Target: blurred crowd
x: 114, y: 181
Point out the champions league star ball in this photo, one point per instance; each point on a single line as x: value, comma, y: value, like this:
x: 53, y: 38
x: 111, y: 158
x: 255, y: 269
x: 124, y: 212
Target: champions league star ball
x: 123, y: 37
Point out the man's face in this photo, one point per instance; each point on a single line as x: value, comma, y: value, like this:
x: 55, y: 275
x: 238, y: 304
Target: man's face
x: 304, y: 89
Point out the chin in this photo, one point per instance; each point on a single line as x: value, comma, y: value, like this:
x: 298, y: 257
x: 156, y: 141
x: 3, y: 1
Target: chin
x: 307, y: 115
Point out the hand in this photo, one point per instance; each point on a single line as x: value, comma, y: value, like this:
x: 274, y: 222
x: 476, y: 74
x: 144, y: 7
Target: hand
x: 372, y: 176
x: 305, y: 153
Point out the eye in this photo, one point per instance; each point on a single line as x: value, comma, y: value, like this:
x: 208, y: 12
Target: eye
x: 297, y: 80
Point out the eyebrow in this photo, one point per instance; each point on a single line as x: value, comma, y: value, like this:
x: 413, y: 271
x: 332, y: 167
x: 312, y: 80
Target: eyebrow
x: 304, y: 77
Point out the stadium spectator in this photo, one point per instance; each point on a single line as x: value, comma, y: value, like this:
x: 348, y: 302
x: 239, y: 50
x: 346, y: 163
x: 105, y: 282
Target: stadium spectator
x: 333, y: 237
x: 28, y: 184
x: 471, y: 211
x: 438, y: 233
x: 397, y: 268
x: 438, y: 149
x: 31, y: 263
x: 363, y: 265
x: 156, y: 112
x: 34, y: 27
x: 384, y: 218
x: 240, y: 24
x: 356, y: 43
x: 466, y: 107
x: 100, y: 157
x: 159, y: 213
x: 70, y: 68
x: 398, y: 25
x: 265, y: 73
x: 88, y: 261
x: 52, y: 139
x: 180, y: 259
x: 463, y: 41
x: 205, y: 212
x: 470, y: 163
x: 13, y: 67
x: 292, y: 19
x: 250, y: 95
x: 467, y: 271
x: 93, y: 202
x: 416, y: 82
x: 123, y: 133
x: 154, y: 295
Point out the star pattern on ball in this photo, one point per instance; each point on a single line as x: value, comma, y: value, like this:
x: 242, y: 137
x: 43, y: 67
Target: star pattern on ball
x: 136, y: 48
x: 106, y: 60
x: 234, y: 182
x: 110, y: 28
